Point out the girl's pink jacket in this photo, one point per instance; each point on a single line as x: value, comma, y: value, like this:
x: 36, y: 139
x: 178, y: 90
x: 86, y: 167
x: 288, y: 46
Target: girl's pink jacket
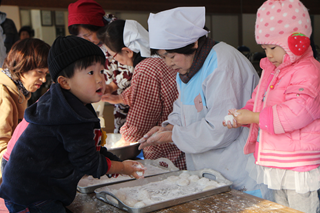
x: 289, y: 115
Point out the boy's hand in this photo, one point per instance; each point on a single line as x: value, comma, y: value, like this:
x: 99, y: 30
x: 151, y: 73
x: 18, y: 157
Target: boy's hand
x: 133, y: 169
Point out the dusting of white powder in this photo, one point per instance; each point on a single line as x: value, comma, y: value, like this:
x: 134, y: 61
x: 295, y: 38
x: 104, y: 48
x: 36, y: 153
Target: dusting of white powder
x: 91, y: 181
x: 164, y: 190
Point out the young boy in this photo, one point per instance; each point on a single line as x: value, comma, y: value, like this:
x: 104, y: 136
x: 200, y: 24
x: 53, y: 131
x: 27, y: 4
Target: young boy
x: 61, y: 142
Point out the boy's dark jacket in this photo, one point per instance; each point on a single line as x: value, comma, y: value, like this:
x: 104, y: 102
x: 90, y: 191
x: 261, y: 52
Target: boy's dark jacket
x: 55, y: 151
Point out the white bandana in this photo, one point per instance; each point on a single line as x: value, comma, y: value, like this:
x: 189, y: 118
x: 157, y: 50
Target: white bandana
x: 176, y: 28
x: 136, y: 38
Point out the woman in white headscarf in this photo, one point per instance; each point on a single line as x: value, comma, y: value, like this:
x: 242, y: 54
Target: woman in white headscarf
x: 153, y: 87
x: 212, y: 77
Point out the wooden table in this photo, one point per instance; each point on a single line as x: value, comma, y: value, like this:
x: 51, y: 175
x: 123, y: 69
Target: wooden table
x: 232, y: 201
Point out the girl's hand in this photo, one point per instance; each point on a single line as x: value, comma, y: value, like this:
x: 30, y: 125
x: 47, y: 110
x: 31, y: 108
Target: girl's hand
x: 230, y: 125
x: 133, y: 169
x: 234, y: 123
x: 244, y: 116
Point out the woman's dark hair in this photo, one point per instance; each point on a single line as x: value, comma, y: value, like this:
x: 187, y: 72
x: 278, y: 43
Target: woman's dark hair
x: 74, y: 29
x: 81, y: 64
x: 112, y: 36
x: 28, y: 29
x: 25, y: 55
x: 187, y: 50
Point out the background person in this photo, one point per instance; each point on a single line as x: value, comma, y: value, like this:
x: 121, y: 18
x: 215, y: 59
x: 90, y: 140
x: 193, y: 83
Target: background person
x: 85, y: 18
x: 211, y: 77
x: 26, y: 32
x: 24, y: 71
x: 152, y: 91
x: 8, y: 35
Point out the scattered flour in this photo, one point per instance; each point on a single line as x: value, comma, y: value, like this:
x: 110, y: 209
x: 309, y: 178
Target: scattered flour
x: 183, y: 182
x: 203, y: 181
x: 193, y: 178
x: 121, y: 195
x: 173, y: 179
x: 91, y: 181
x: 164, y: 190
x: 184, y: 175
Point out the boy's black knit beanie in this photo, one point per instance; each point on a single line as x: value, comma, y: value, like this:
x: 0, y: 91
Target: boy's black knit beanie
x: 67, y: 50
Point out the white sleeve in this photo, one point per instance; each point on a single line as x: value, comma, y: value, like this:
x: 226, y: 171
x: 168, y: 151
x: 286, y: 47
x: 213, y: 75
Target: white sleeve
x: 224, y: 89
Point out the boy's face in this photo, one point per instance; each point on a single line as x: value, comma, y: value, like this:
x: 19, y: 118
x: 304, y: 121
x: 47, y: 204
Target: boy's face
x: 274, y: 53
x: 88, y: 84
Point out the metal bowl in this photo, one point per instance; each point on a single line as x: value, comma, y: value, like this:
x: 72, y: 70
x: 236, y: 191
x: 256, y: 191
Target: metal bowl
x: 123, y: 152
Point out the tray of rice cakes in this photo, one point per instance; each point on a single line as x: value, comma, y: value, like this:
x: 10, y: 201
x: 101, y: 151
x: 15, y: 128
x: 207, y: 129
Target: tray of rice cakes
x: 163, y: 190
x: 88, y: 184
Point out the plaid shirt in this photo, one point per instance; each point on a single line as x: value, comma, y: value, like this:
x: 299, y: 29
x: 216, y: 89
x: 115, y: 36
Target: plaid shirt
x: 150, y: 97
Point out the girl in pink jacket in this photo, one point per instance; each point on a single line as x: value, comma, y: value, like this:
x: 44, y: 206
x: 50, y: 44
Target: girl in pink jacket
x: 284, y: 110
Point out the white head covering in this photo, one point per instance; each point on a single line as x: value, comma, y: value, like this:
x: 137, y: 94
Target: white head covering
x: 176, y: 28
x: 136, y: 38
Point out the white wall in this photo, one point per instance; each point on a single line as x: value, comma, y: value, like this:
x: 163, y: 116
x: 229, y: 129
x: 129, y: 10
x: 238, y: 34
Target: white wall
x: 248, y: 27
x: 222, y: 27
x: 45, y: 33
x: 225, y: 28
x: 142, y: 17
x: 12, y: 13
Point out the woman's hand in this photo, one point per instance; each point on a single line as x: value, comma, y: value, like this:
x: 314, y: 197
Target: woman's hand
x: 157, y: 135
x: 112, y: 99
x: 110, y: 88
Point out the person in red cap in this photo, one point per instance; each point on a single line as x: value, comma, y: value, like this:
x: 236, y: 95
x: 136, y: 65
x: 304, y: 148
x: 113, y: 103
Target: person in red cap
x: 85, y: 18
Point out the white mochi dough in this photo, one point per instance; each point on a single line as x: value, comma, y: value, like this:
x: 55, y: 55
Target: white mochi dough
x: 183, y: 182
x: 121, y: 195
x: 172, y: 179
x: 148, y: 202
x: 212, y: 183
x: 228, y: 118
x: 208, y: 187
x: 130, y: 201
x: 203, y: 181
x: 139, y: 204
x: 140, y: 174
x: 184, y: 175
x: 193, y: 178
x: 143, y: 195
x: 113, y: 200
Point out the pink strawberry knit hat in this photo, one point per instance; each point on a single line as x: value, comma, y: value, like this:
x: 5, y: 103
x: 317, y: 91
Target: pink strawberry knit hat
x: 285, y: 23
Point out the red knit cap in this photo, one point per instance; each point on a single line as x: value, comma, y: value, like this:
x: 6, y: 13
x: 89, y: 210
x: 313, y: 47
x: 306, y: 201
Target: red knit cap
x: 85, y: 12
